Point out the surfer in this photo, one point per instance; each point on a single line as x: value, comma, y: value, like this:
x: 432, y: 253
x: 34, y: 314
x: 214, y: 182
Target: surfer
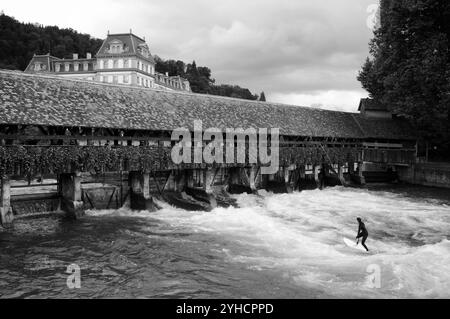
x: 362, y: 233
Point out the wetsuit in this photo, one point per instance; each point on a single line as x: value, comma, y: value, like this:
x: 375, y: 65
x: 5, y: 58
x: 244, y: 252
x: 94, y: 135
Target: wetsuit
x: 363, y: 233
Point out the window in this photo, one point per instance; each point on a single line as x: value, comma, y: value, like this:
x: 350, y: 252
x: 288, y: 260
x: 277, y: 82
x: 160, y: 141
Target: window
x: 110, y: 64
x: 102, y: 64
x: 110, y: 79
x: 67, y: 67
x: 125, y: 64
x: 116, y: 64
x: 126, y: 79
x: 86, y: 66
x: 115, y: 79
x: 120, y: 64
x: 75, y: 67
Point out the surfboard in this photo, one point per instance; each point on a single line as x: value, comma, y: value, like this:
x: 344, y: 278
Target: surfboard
x: 352, y: 244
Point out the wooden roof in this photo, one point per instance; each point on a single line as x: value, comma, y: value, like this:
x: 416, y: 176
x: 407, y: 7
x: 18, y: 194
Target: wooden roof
x: 31, y: 99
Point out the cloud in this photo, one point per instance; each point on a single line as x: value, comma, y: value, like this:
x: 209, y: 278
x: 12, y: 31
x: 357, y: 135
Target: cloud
x: 298, y: 51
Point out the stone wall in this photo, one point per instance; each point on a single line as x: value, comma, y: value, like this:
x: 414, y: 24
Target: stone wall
x: 430, y: 174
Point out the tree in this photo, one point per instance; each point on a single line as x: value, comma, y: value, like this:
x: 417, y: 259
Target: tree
x: 262, y: 97
x: 19, y: 41
x: 409, y: 68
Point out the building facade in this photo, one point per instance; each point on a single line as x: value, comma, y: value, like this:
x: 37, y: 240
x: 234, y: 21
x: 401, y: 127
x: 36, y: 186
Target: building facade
x: 122, y: 59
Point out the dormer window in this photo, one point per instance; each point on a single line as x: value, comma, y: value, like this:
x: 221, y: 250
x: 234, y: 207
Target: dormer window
x: 115, y: 47
x: 143, y: 50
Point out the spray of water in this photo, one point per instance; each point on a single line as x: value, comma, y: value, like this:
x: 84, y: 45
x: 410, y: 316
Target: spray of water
x: 300, y: 236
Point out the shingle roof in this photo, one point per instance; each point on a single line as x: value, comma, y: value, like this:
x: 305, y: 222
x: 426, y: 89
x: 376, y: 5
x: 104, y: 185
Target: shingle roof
x: 131, y: 41
x: 31, y: 99
x: 371, y: 105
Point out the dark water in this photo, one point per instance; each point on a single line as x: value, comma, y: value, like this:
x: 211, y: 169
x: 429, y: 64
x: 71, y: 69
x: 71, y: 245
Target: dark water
x: 274, y: 246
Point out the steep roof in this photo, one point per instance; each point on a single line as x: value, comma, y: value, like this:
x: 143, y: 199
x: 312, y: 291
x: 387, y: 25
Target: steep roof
x: 371, y: 105
x: 31, y: 99
x: 45, y: 59
x: 131, y: 42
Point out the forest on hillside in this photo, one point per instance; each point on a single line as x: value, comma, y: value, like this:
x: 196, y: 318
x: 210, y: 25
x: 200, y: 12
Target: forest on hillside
x: 20, y: 41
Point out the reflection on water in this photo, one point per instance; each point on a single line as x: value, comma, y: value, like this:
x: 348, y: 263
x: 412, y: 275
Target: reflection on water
x: 273, y: 246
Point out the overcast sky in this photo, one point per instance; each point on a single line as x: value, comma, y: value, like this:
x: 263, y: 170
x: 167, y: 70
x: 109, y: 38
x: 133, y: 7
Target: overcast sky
x: 302, y: 52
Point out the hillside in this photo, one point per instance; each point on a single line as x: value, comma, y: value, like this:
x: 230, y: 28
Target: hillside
x: 19, y: 41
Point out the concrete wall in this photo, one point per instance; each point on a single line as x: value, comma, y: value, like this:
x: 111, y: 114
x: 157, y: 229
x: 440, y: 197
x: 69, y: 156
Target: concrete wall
x: 430, y: 174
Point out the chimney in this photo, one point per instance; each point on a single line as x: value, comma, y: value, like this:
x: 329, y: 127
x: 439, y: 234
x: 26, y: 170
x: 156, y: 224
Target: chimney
x: 167, y: 73
x: 88, y: 55
x: 75, y: 56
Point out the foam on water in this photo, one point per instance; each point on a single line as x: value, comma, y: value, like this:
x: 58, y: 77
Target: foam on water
x: 300, y: 236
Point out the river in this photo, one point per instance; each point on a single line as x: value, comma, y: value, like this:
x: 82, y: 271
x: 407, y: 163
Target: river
x: 273, y: 246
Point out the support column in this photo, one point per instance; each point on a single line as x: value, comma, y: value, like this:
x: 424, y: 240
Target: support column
x: 235, y: 176
x: 208, y: 178
x: 341, y: 175
x: 301, y: 177
x: 208, y: 181
x: 140, y: 197
x: 351, y: 168
x: 190, y: 177
x: 362, y: 179
x: 287, y: 182
x: 6, y: 212
x: 317, y: 175
x: 71, y: 202
x: 180, y: 181
x: 237, y: 181
x: 357, y: 177
x: 253, y: 177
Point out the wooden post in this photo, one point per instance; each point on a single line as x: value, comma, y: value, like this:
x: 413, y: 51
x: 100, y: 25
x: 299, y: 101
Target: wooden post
x: 287, y: 179
x: 316, y: 175
x: 71, y: 202
x: 145, y: 185
x: 253, y: 177
x: 190, y: 177
x: 235, y: 177
x: 341, y: 175
x: 361, y: 177
x: 6, y: 212
x: 180, y: 181
x: 208, y: 180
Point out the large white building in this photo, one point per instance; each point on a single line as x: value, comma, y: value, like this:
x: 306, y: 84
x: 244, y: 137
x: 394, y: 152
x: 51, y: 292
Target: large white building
x: 122, y: 59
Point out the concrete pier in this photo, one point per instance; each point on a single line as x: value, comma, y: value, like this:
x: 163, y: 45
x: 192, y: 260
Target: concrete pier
x: 140, y: 197
x: 71, y: 195
x: 6, y: 212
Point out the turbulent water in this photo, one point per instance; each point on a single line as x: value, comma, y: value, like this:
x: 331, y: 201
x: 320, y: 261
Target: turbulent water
x: 273, y: 246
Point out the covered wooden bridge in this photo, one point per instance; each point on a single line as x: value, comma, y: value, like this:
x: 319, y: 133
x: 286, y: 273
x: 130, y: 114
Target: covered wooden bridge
x: 80, y: 133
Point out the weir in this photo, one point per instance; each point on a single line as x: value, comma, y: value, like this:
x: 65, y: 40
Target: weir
x: 100, y: 146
